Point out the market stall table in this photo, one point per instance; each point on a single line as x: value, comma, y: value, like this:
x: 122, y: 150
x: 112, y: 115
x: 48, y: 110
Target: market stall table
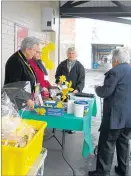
x: 69, y: 122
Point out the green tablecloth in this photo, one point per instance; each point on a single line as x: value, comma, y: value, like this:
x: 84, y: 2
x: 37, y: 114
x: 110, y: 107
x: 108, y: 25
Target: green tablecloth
x: 70, y: 122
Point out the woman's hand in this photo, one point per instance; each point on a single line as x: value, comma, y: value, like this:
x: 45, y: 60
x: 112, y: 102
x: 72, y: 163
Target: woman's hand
x: 59, y: 83
x: 30, y: 104
x: 75, y: 91
x: 44, y: 89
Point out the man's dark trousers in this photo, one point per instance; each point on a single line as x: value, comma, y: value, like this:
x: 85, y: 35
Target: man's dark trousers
x: 108, y: 140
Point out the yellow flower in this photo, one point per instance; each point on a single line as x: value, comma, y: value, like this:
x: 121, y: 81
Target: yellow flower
x: 64, y: 94
x: 64, y: 91
x: 62, y: 79
x: 59, y: 104
x: 40, y: 111
x: 67, y: 83
x: 70, y: 89
x: 70, y: 84
x: 64, y: 97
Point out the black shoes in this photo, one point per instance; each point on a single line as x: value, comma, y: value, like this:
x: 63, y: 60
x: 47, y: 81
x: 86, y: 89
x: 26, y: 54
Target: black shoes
x: 96, y: 173
x: 69, y: 131
x: 119, y: 172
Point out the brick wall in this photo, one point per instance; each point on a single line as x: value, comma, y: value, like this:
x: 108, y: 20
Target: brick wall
x: 26, y: 14
x: 7, y: 42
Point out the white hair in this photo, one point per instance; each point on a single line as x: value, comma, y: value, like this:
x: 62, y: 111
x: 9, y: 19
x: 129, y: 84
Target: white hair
x: 29, y: 42
x: 122, y: 55
x: 71, y: 49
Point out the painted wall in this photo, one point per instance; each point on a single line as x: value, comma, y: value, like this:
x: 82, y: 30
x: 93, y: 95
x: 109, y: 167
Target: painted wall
x: 83, y: 42
x: 28, y: 14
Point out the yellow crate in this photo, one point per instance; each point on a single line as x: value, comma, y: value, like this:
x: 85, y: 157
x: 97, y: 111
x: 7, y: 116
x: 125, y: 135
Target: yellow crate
x: 18, y: 161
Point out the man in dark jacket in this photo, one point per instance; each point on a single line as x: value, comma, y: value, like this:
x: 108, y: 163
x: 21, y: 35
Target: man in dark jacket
x: 115, y: 129
x: 73, y: 70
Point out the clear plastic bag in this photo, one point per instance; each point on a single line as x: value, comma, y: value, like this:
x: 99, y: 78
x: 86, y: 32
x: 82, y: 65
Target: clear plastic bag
x: 14, y: 131
x: 18, y: 93
x: 54, y: 91
x: 8, y: 108
x: 8, y: 114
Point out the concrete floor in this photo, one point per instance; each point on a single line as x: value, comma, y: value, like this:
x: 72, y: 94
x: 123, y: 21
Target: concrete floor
x: 54, y: 163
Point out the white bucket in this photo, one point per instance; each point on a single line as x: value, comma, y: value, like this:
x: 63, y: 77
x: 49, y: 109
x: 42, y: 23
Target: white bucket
x: 80, y: 108
x: 70, y: 107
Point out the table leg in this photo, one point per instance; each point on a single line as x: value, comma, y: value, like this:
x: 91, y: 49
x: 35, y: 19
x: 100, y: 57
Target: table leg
x: 53, y: 135
x: 63, y: 139
x: 54, y: 130
x: 63, y: 147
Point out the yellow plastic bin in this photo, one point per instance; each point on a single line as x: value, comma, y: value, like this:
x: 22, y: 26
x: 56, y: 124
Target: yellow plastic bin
x: 18, y: 161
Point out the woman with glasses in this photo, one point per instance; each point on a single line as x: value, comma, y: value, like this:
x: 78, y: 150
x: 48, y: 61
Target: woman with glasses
x: 18, y: 68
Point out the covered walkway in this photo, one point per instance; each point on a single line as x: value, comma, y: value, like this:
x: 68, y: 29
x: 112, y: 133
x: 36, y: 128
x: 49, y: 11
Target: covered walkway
x: 28, y: 15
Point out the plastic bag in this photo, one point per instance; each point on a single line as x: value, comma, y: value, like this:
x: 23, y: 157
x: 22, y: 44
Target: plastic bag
x: 18, y: 93
x: 15, y: 131
x: 54, y: 91
x: 37, y: 96
x: 8, y: 108
x: 8, y: 112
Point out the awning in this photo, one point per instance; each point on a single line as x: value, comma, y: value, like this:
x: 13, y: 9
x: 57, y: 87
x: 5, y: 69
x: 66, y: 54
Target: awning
x: 114, y: 11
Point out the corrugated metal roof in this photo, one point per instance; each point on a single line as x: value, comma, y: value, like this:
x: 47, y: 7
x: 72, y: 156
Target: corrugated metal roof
x: 101, y: 10
x: 97, y: 4
x: 107, y: 3
x: 126, y: 3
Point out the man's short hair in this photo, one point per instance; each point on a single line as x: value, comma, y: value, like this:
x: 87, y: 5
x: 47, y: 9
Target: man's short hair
x: 122, y: 55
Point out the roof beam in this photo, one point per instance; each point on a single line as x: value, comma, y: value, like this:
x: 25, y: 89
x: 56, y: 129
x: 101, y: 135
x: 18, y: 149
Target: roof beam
x: 114, y: 19
x: 126, y: 15
x: 99, y: 17
x: 96, y: 10
x: 78, y: 3
x: 67, y: 4
x: 118, y: 4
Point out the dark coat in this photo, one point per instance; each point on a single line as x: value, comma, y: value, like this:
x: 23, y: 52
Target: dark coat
x: 76, y: 75
x: 16, y: 70
x: 116, y: 92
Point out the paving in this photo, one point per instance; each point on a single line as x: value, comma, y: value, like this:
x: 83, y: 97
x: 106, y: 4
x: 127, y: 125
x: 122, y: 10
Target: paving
x: 54, y: 163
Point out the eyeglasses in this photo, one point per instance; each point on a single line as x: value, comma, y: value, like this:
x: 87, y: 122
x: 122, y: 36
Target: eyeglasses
x: 38, y: 52
x: 71, y: 53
